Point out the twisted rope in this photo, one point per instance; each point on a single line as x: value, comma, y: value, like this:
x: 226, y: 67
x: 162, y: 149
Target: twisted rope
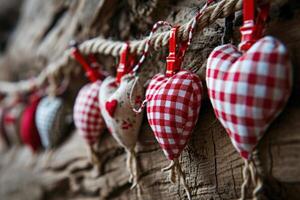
x: 108, y: 47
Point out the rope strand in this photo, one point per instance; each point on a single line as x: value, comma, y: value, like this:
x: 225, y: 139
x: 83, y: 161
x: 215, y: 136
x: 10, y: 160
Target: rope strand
x: 108, y: 47
x: 176, y: 170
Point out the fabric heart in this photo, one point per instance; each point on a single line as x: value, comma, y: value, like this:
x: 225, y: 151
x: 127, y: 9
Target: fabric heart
x: 123, y: 123
x: 172, y: 109
x: 28, y: 131
x: 11, y: 119
x: 53, y: 121
x: 87, y: 116
x: 111, y: 106
x: 249, y: 90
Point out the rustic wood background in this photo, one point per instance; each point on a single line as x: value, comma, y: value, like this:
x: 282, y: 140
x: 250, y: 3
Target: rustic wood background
x: 213, y: 167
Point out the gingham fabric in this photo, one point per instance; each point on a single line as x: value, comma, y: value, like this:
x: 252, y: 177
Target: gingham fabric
x: 115, y: 106
x: 173, y: 105
x: 53, y: 120
x: 87, y: 116
x: 249, y: 90
x: 29, y: 133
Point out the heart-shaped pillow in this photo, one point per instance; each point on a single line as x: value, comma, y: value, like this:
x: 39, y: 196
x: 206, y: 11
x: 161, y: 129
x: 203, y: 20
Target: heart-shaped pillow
x: 53, y: 121
x: 249, y: 90
x: 115, y: 105
x: 173, y: 105
x: 12, y: 120
x: 29, y: 133
x: 87, y: 116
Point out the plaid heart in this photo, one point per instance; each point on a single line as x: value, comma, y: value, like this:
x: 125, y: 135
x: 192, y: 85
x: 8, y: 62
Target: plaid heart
x: 87, y: 116
x: 53, y: 120
x: 172, y: 109
x: 249, y: 90
x: 121, y: 120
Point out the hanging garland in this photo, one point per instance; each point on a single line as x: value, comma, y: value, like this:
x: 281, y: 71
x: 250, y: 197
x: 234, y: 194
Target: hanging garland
x: 248, y: 88
x: 108, y: 47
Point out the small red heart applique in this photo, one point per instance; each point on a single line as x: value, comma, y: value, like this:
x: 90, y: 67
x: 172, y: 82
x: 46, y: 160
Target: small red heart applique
x: 248, y: 91
x: 111, y: 106
x: 173, y: 105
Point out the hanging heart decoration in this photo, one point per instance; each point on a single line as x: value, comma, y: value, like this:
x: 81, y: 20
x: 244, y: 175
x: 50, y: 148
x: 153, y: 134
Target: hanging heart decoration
x: 172, y: 109
x: 173, y: 105
x: 11, y: 121
x: 28, y: 131
x: 53, y: 121
x: 115, y: 105
x: 249, y: 89
x: 87, y: 116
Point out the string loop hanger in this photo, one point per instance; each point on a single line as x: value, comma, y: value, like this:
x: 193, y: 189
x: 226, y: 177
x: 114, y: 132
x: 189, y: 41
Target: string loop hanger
x: 90, y: 65
x: 253, y: 27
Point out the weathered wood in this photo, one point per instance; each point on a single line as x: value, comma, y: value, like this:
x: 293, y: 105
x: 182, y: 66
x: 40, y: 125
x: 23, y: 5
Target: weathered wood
x: 213, y: 167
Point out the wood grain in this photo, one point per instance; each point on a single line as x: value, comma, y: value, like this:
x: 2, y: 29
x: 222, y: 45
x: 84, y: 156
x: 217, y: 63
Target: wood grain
x: 213, y: 167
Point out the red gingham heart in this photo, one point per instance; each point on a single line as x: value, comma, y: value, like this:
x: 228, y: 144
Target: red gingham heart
x: 248, y: 90
x: 87, y: 116
x: 172, y: 109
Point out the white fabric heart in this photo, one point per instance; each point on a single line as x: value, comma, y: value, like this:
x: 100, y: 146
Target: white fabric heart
x: 122, y: 122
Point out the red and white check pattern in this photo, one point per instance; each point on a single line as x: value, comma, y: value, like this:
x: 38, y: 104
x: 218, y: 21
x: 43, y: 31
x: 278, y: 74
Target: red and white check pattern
x: 87, y: 116
x: 248, y: 90
x: 173, y: 105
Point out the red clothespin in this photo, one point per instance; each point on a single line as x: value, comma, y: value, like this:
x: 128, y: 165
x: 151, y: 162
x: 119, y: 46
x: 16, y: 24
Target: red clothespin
x: 252, y: 29
x: 125, y: 64
x: 174, y: 60
x: 91, y: 72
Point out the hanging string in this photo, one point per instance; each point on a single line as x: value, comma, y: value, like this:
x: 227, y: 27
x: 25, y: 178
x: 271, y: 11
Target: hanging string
x: 146, y: 48
x: 176, y: 171
x: 251, y: 175
x: 247, y: 178
x: 132, y: 167
x: 191, y: 29
x: 108, y: 47
x: 93, y: 156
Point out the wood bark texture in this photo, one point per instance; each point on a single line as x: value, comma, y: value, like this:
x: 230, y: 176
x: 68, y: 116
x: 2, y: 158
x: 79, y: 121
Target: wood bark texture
x: 213, y: 167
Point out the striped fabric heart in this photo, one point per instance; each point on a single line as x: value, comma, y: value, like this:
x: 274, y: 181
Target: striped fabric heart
x: 173, y: 105
x: 249, y: 90
x: 87, y: 116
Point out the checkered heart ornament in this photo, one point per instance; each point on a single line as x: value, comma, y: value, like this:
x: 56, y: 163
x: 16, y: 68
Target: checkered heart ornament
x: 86, y: 112
x: 173, y: 102
x: 87, y: 116
x: 248, y: 91
x: 53, y: 116
x: 122, y: 122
